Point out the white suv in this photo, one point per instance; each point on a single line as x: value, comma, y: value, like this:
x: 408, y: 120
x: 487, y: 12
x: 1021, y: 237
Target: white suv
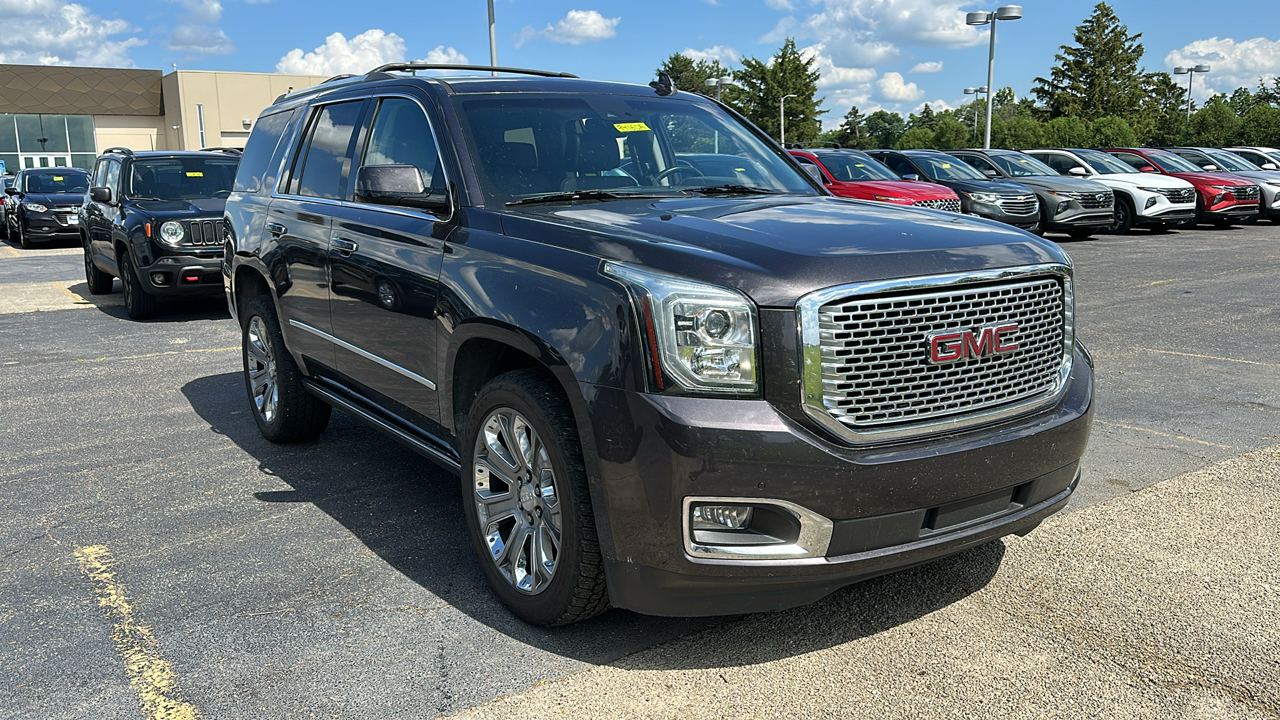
x: 1142, y: 199
x: 1267, y: 158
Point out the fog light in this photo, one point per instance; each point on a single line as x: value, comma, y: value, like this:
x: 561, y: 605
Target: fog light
x: 1063, y: 207
x: 159, y: 278
x: 1151, y: 202
x: 720, y: 517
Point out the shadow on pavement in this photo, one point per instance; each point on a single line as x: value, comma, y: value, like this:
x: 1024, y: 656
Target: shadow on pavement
x: 172, y: 310
x: 409, y: 513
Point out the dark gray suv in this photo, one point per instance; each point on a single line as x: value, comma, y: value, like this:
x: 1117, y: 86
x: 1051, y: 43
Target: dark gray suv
x: 677, y: 389
x: 1077, y: 207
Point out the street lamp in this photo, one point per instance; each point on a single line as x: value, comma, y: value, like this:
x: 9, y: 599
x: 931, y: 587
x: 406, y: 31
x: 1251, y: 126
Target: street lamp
x: 977, y: 91
x: 719, y: 84
x: 1190, y: 72
x: 493, y: 41
x: 782, y: 116
x: 1004, y: 12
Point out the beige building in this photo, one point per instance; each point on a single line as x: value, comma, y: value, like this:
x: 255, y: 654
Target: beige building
x: 65, y: 116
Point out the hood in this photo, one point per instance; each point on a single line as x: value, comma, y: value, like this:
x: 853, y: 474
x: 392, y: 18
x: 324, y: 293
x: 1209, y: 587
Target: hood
x: 1007, y: 187
x: 1059, y: 183
x: 1258, y: 176
x: 1206, y: 178
x: 776, y: 250
x: 1137, y: 179
x: 181, y: 209
x: 55, y: 199
x: 901, y: 188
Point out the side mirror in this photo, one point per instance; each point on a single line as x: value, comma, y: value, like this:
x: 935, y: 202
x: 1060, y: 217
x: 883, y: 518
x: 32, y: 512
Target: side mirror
x: 1270, y: 166
x: 814, y: 173
x: 1077, y: 170
x: 1146, y: 168
x: 13, y: 191
x: 100, y: 194
x: 1209, y: 168
x: 396, y: 185
x: 991, y: 174
x: 911, y: 178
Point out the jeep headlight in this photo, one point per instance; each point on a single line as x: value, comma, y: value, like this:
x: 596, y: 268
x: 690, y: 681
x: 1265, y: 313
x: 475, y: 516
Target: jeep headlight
x: 983, y: 197
x: 172, y: 233
x: 701, y: 336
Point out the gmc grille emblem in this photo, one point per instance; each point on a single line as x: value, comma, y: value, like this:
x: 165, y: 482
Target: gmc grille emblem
x: 956, y: 345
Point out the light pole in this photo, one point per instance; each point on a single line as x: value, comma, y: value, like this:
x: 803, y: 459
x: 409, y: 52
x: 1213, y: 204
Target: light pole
x: 977, y: 91
x: 1190, y: 72
x: 1004, y: 12
x: 782, y: 116
x: 718, y: 83
x: 493, y: 41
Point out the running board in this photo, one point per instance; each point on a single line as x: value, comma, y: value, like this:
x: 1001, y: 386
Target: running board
x: 422, y: 446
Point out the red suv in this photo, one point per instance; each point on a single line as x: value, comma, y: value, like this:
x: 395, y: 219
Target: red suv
x: 1221, y: 199
x: 853, y: 174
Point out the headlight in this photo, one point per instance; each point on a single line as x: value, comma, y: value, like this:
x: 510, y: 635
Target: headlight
x: 172, y: 233
x: 704, y: 336
x: 1272, y: 183
x: 1158, y: 191
x: 890, y: 198
x: 35, y: 207
x: 982, y: 197
x: 1226, y: 188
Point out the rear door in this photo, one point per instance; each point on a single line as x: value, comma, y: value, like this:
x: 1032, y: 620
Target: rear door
x: 386, y: 265
x: 300, y: 223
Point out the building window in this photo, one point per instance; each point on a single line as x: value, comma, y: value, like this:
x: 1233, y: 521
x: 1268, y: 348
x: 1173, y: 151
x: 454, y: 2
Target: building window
x: 34, y: 141
x: 200, y: 121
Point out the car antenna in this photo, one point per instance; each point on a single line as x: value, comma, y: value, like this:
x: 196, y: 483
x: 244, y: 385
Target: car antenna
x: 663, y: 85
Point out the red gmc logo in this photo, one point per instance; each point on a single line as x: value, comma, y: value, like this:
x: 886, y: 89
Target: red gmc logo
x: 949, y: 347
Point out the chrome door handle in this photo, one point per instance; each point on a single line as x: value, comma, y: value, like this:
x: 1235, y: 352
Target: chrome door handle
x: 276, y: 229
x: 344, y: 246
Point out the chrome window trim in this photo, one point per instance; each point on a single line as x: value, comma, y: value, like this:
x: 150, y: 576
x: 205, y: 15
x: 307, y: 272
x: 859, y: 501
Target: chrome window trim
x: 811, y: 397
x: 364, y: 353
x: 813, y: 541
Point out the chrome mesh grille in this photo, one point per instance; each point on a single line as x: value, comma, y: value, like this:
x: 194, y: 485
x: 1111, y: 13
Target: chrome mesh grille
x: 948, y: 204
x: 1249, y: 192
x: 1180, y: 195
x: 875, y: 355
x: 1019, y: 204
x: 1094, y: 201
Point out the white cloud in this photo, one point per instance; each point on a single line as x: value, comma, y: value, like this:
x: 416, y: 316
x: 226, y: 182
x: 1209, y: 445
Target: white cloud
x: 1233, y: 64
x: 935, y: 105
x: 864, y: 33
x: 723, y: 53
x: 200, y: 40
x: 202, y: 11
x: 338, y: 55
x: 892, y: 87
x: 51, y: 32
x: 442, y: 55
x: 927, y: 67
x: 575, y: 28
x: 780, y: 4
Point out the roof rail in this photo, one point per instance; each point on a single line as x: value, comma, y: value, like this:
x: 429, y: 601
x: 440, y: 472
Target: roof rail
x: 118, y: 151
x: 228, y: 150
x: 393, y: 67
x: 336, y: 78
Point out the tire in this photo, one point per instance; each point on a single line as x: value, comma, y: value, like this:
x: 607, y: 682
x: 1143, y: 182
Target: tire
x: 280, y: 404
x: 22, y: 235
x: 4, y: 229
x: 509, y: 516
x: 138, y: 303
x: 1122, y: 223
x: 100, y: 283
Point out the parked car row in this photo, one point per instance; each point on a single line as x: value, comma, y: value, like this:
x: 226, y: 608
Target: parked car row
x: 1078, y: 191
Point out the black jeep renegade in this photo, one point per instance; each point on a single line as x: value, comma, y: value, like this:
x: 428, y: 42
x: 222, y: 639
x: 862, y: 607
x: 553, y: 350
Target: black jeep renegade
x: 667, y: 388
x: 154, y: 220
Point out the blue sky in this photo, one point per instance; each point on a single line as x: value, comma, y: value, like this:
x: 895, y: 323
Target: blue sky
x: 893, y: 54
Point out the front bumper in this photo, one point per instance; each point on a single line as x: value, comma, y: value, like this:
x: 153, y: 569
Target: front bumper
x: 53, y: 225
x: 1074, y: 218
x: 182, y: 275
x: 1234, y: 210
x: 891, y: 507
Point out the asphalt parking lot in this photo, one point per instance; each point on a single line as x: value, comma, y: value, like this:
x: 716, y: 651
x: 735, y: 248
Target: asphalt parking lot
x: 157, y: 550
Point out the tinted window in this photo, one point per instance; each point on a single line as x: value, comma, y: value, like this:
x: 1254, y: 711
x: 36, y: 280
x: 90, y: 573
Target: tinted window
x: 1021, y: 165
x: 1136, y: 161
x: 1171, y: 163
x: 1103, y: 163
x: 948, y: 168
x: 401, y: 135
x: 327, y: 162
x: 979, y: 162
x: 182, y: 178
x: 849, y: 167
x: 100, y: 173
x: 1232, y: 162
x: 55, y: 182
x: 900, y: 165
x: 1060, y: 163
x: 111, y: 176
x: 259, y: 151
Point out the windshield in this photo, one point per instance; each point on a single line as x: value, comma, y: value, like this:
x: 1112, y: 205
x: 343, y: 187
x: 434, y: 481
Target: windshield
x: 182, y: 178
x: 947, y: 168
x: 66, y: 183
x: 1231, y: 161
x: 852, y: 167
x: 1171, y: 163
x: 1104, y: 164
x: 1020, y: 165
x: 543, y: 144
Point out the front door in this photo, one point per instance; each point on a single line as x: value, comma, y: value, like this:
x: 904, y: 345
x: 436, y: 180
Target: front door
x: 385, y: 269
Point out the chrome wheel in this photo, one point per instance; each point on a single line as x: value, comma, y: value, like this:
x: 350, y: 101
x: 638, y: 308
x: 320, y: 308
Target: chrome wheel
x: 516, y: 501
x: 261, y: 366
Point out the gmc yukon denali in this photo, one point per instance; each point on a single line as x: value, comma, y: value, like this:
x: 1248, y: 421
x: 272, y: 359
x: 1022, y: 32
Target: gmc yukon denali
x: 677, y: 388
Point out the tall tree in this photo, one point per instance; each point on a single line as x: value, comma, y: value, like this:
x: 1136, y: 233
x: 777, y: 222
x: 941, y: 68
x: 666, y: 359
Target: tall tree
x: 949, y: 133
x: 884, y: 128
x: 691, y: 75
x: 926, y: 119
x: 852, y: 132
x: 1100, y: 74
x: 764, y: 84
x: 917, y: 138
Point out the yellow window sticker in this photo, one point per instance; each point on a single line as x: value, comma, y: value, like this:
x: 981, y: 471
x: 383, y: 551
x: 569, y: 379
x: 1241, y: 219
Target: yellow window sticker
x: 631, y: 127
x: 946, y: 166
x: 195, y: 174
x: 57, y: 178
x: 1022, y: 161
x: 739, y: 169
x: 859, y: 165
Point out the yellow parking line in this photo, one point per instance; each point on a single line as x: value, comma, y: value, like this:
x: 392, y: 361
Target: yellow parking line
x: 1208, y: 357
x: 10, y: 251
x: 159, y: 354
x: 1163, y: 434
x: 150, y: 675
x: 78, y: 300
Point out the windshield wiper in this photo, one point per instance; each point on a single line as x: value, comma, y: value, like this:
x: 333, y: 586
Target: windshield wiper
x: 584, y: 195
x: 732, y: 190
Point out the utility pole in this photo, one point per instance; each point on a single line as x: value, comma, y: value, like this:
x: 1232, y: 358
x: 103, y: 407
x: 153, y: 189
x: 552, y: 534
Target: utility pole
x: 493, y: 41
x: 782, y: 116
x: 1004, y: 12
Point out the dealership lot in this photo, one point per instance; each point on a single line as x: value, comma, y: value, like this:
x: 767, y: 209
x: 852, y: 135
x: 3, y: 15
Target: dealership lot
x: 335, y: 579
